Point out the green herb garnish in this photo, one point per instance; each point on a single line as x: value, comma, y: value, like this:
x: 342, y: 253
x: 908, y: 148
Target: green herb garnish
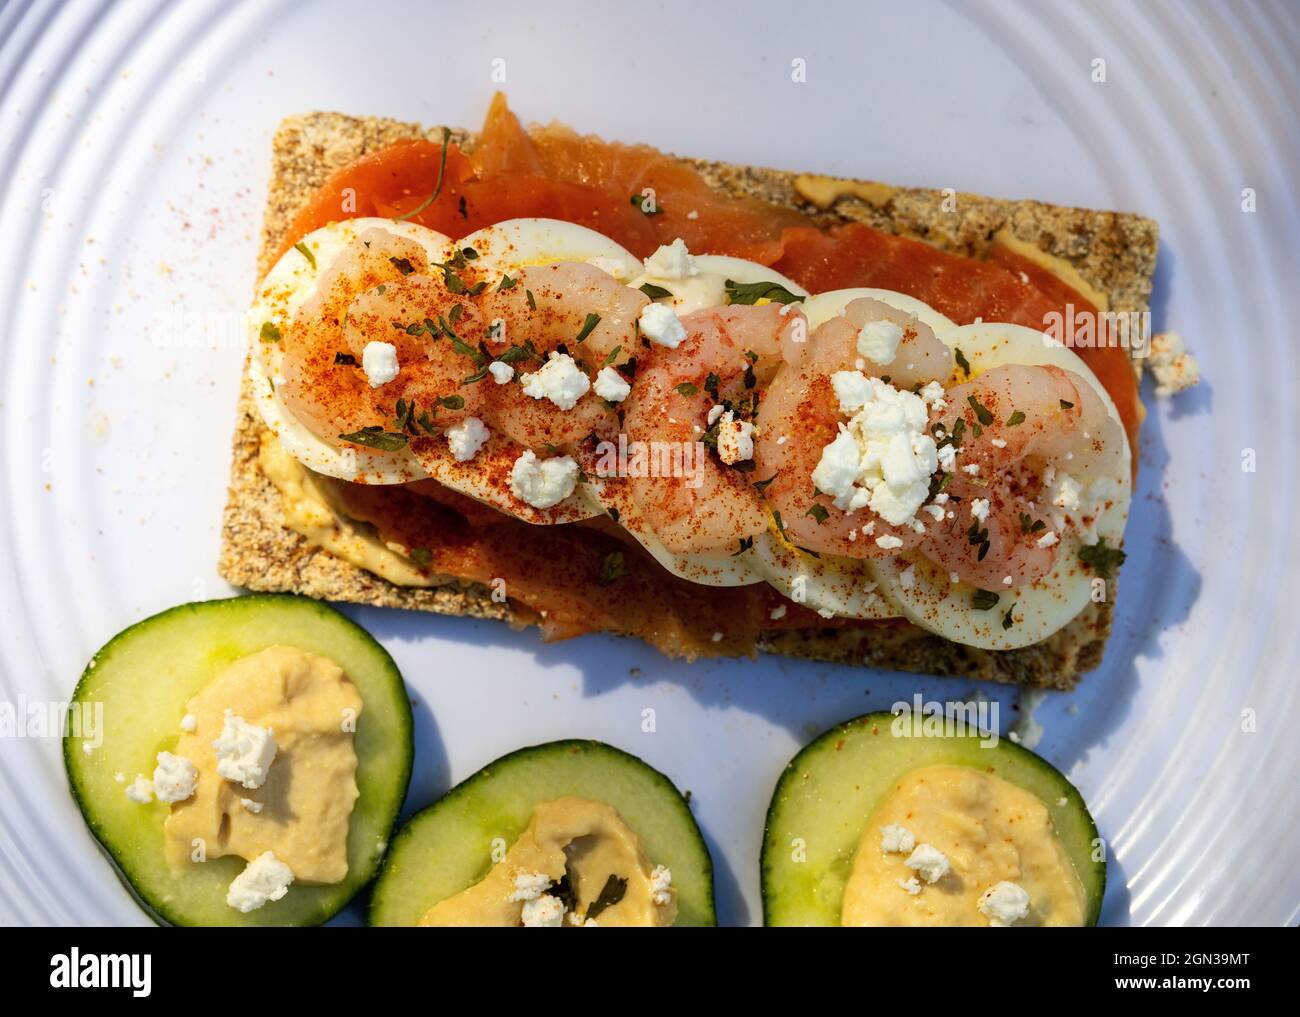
x: 422, y: 557
x: 752, y: 293
x: 588, y: 325
x: 612, y: 569
x: 376, y: 437
x: 654, y: 292
x: 982, y: 413
x: 819, y: 513
x: 305, y: 251
x: 345, y: 358
x: 1015, y: 419
x: 270, y: 334
x: 962, y: 362
x: 983, y: 600
x: 686, y: 388
x: 437, y: 189
x: 1101, y: 559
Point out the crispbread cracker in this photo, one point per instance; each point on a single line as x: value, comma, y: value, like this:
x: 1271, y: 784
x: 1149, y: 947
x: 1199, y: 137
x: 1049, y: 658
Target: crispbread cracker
x: 1114, y: 251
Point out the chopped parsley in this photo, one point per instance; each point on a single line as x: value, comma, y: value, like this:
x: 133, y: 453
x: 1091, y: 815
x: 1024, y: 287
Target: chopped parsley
x: 654, y: 292
x: 982, y: 413
x: 752, y: 293
x: 819, y: 513
x: 403, y: 265
x: 376, y: 437
x: 305, y: 251
x: 437, y: 189
x: 588, y: 326
x: 269, y: 333
x: 422, y: 557
x: 984, y: 600
x: 1101, y: 559
x: 1015, y: 419
x: 611, y: 893
x: 612, y: 569
x: 962, y: 362
x: 687, y: 388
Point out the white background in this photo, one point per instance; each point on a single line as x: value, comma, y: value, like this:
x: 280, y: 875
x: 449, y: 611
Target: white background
x: 134, y: 152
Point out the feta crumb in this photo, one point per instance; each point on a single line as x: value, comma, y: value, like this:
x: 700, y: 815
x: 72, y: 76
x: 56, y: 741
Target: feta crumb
x: 501, y: 373
x: 888, y: 542
x: 934, y: 511
x: 852, y: 389
x: 543, y: 483
x: 1047, y: 539
x: 1007, y: 580
x: 546, y: 912
x: 979, y: 508
x: 610, y: 266
x: 735, y: 439
x: 907, y: 578
x: 244, y: 752
x: 878, y: 340
x: 251, y: 805
x: 611, y: 386
x: 672, y: 261
x: 716, y: 637
x: 1065, y: 493
x: 1175, y: 369
x: 466, y: 438
x: 911, y: 885
x: 971, y: 468
x: 120, y: 777
x: 778, y: 612
x: 661, y: 878
x: 693, y: 214
x: 714, y: 413
x: 529, y: 885
x: 929, y: 862
x: 560, y: 380
x: 1004, y: 903
x: 932, y: 394
x: 659, y: 323
x: 379, y: 361
x: 1026, y: 730
x: 895, y: 839
x: 264, y: 879
x: 140, y: 790
x: 189, y: 722
x: 1001, y: 442
x: 174, y: 778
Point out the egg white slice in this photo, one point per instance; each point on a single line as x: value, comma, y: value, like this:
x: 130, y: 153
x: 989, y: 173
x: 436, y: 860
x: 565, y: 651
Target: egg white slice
x: 508, y: 246
x: 835, y: 586
x: 824, y: 306
x: 928, y: 598
x: 709, y: 288
x: 291, y: 281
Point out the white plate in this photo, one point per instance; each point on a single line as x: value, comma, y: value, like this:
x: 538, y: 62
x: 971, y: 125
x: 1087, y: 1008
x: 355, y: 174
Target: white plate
x: 134, y: 145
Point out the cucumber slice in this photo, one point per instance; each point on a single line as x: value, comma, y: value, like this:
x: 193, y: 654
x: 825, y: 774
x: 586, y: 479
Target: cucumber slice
x: 829, y: 790
x: 447, y: 847
x: 145, y: 675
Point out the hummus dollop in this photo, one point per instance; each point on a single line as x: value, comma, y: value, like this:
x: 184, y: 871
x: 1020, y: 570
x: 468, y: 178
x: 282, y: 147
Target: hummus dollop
x: 301, y: 812
x: 988, y: 829
x: 586, y: 841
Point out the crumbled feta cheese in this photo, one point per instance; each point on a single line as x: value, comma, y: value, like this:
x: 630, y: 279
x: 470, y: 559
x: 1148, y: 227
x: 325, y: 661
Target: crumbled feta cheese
x: 911, y: 885
x: 934, y: 511
x: 379, y: 361
x: 778, y: 612
x: 907, y: 578
x: 660, y: 324
x: 693, y: 214
x: 929, y: 862
x: 979, y: 508
x: 501, y: 373
x: 852, y: 389
x: 611, y: 266
x: 1047, y: 539
x: 1007, y: 580
x: 611, y: 386
x: 1001, y: 442
x: 1065, y: 493
x: 714, y: 413
x: 888, y: 542
x: 895, y: 839
x: 264, y: 879
x: 1026, y: 730
x: 466, y: 438
x: 971, y: 468
x: 530, y: 885
x: 189, y: 722
x: 716, y: 637
x: 250, y: 805
x: 560, y: 380
x: 244, y: 752
x: 735, y: 439
x: 883, y: 457
x: 543, y: 483
x: 174, y: 778
x: 947, y: 458
x: 140, y: 790
x: 546, y: 912
x: 878, y: 340
x: 672, y: 261
x: 1004, y: 903
x: 661, y: 878
x: 932, y: 394
x: 1174, y: 368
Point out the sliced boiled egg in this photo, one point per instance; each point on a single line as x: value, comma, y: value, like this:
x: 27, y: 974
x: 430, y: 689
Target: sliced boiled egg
x: 289, y: 283
x: 708, y: 288
x: 825, y: 306
x: 513, y: 244
x: 1021, y: 615
x: 834, y: 586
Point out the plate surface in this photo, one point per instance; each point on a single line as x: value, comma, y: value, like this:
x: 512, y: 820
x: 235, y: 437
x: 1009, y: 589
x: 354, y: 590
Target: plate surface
x: 134, y: 151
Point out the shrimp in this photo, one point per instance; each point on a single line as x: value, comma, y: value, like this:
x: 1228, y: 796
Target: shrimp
x: 563, y: 308
x: 1021, y: 427
x: 448, y: 326
x: 801, y: 415
x: 728, y: 353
